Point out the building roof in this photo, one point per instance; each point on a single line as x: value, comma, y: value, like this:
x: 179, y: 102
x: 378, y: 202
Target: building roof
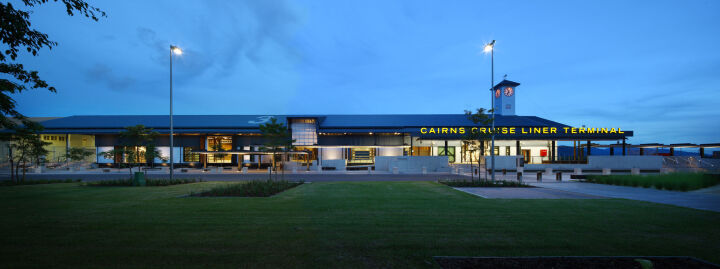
x: 506, y: 82
x: 253, y: 121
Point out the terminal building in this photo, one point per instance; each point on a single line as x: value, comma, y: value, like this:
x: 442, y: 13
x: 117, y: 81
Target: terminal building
x: 332, y: 141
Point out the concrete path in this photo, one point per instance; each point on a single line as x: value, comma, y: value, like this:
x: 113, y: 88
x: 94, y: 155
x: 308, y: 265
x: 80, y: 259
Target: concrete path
x: 525, y: 193
x: 696, y: 200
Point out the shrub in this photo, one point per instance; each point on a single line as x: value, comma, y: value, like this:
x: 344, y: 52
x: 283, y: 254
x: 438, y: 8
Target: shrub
x: 672, y: 181
x: 482, y: 183
x: 37, y: 181
x: 254, y: 188
x: 148, y: 182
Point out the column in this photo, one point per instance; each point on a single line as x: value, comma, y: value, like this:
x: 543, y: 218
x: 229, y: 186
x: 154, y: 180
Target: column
x: 612, y: 150
x: 552, y: 152
x: 672, y: 151
x: 624, y: 145
x: 702, y: 152
x: 588, y: 148
x: 518, y: 151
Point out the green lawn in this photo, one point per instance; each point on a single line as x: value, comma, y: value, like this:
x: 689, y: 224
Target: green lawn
x: 337, y: 224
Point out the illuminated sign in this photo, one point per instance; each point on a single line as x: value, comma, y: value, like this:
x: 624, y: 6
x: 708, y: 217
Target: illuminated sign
x: 519, y: 130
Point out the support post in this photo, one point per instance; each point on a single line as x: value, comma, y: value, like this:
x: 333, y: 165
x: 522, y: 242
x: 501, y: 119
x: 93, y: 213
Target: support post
x: 672, y: 151
x: 642, y: 151
x: 612, y: 150
x: 624, y: 146
x: 552, y: 152
x: 702, y: 152
x: 588, y: 148
x: 518, y: 152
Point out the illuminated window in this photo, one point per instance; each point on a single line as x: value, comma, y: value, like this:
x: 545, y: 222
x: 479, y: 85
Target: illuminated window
x: 190, y: 157
x: 303, y: 132
x: 220, y: 144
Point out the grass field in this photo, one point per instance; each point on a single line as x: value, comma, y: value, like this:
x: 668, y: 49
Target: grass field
x: 334, y: 224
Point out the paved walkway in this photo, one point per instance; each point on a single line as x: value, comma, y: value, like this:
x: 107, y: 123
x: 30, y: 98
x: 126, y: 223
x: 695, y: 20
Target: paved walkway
x: 693, y: 199
x: 525, y: 193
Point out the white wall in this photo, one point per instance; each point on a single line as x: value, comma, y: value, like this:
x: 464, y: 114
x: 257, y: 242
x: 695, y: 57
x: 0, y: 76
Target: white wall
x: 331, y: 154
x: 394, y: 151
x: 412, y: 164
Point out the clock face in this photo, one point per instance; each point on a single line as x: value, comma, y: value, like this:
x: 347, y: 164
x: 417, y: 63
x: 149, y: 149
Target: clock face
x: 497, y: 93
x: 508, y: 91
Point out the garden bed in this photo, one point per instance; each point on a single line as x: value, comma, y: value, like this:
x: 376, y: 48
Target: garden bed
x: 148, y: 182
x: 483, y: 183
x: 255, y: 188
x: 572, y: 262
x: 671, y: 181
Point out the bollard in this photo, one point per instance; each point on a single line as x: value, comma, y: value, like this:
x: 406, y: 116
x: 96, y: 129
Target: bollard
x: 519, y: 177
x: 219, y: 170
x: 635, y: 171
x: 424, y: 170
x: 577, y: 171
x: 369, y: 170
x: 606, y: 171
x: 244, y: 170
x: 558, y: 176
x: 539, y: 176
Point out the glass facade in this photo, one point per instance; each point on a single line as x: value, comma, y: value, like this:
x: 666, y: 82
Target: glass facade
x: 220, y: 144
x: 304, y: 132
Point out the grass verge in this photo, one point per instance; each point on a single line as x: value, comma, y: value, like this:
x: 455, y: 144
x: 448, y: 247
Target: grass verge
x: 671, y: 181
x: 254, y: 188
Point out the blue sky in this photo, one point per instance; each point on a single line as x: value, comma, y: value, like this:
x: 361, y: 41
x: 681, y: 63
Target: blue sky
x: 649, y: 66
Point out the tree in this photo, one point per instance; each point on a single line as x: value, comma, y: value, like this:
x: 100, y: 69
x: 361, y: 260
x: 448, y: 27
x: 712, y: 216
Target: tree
x: 277, y: 139
x: 24, y: 147
x: 78, y: 154
x: 133, y: 139
x: 476, y: 138
x: 17, y: 35
x: 152, y: 153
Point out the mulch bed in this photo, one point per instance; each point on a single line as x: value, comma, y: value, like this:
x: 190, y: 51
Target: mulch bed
x: 585, y: 262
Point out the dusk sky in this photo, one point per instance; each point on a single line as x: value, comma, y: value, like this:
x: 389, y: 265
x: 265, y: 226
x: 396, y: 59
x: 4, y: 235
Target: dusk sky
x: 648, y: 66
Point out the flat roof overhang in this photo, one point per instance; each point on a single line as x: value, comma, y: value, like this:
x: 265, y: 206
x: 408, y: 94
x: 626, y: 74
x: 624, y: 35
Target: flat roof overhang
x: 248, y: 152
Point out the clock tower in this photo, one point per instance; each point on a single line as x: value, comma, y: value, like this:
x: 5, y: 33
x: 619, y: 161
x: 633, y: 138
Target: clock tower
x: 504, y: 94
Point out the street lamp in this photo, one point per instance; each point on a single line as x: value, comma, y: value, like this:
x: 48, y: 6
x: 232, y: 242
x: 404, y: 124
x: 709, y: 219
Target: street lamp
x: 178, y: 51
x: 490, y: 47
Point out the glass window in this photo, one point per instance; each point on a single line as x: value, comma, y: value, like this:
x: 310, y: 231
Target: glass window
x: 190, y: 157
x: 220, y: 144
x: 450, y: 153
x: 303, y: 132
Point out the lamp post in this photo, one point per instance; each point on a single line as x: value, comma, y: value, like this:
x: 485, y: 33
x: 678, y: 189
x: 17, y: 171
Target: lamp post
x: 490, y: 47
x: 178, y: 51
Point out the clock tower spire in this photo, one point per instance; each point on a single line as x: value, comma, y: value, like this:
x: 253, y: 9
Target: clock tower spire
x: 504, y: 94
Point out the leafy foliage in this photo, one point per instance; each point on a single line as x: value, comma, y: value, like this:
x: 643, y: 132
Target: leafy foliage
x: 148, y: 182
x: 474, y: 140
x: 25, y: 147
x: 17, y: 35
x: 482, y: 183
x: 255, y: 188
x: 277, y: 139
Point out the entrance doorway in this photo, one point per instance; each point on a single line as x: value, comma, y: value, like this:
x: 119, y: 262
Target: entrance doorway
x: 526, y: 155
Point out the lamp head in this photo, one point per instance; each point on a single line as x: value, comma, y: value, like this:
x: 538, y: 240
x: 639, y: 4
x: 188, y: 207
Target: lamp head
x: 490, y: 46
x: 176, y: 50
